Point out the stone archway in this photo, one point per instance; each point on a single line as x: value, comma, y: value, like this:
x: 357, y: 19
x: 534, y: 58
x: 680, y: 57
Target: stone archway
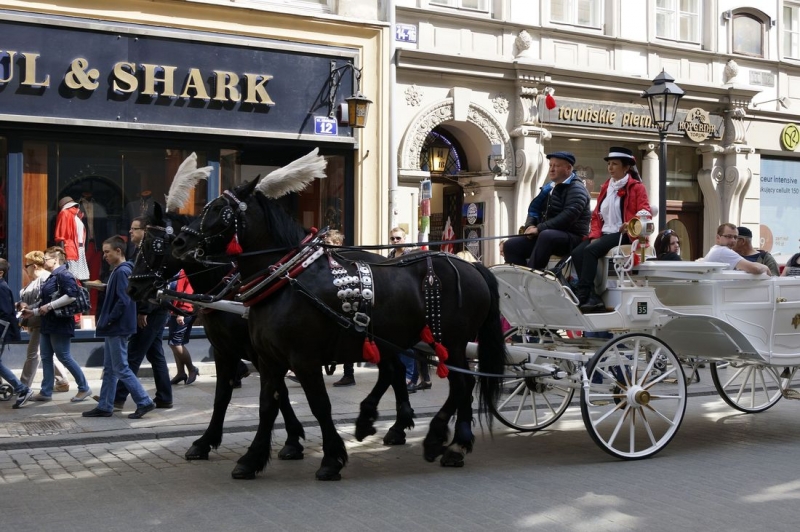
x: 442, y: 111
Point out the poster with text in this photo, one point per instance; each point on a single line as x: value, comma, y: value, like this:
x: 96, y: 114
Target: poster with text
x: 780, y: 206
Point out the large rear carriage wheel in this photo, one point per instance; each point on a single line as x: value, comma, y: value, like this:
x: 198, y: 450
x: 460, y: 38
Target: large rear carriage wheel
x: 636, y: 396
x: 747, y: 387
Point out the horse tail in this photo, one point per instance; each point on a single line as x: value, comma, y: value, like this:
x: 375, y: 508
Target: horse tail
x: 491, y: 349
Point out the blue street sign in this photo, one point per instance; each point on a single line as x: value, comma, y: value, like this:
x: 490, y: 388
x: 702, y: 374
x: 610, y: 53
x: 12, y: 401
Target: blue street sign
x: 325, y: 126
x: 405, y: 33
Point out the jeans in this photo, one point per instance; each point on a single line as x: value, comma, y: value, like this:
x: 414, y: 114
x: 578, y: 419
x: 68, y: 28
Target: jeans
x: 8, y: 376
x: 32, y: 361
x: 411, y: 367
x: 116, y: 369
x: 148, y: 342
x: 58, y: 345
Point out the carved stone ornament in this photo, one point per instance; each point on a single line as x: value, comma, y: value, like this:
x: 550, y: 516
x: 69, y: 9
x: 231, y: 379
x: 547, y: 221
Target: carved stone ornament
x: 500, y: 104
x: 730, y: 72
x: 413, y: 95
x: 523, y: 42
x: 430, y: 117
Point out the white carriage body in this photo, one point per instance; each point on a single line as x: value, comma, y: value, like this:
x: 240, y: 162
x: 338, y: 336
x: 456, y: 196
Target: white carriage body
x: 701, y: 310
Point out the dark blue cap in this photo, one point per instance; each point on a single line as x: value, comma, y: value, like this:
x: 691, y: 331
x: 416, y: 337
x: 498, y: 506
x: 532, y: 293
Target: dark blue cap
x: 567, y: 156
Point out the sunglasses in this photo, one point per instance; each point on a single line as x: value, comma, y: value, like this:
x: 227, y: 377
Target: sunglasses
x: 396, y: 238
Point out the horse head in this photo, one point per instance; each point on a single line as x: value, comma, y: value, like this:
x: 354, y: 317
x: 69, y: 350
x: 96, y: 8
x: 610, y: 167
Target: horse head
x: 154, y: 264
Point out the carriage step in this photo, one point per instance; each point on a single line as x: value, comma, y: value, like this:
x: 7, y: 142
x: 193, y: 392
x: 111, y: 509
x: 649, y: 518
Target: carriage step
x: 791, y: 393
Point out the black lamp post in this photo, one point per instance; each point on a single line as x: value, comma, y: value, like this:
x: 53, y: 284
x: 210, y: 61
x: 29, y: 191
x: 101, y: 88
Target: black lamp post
x: 663, y: 98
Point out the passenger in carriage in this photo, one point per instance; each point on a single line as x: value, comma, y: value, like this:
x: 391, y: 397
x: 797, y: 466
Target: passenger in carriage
x: 667, y: 245
x: 723, y: 252
x: 744, y: 247
x: 558, y: 217
x: 792, y: 268
x: 621, y: 198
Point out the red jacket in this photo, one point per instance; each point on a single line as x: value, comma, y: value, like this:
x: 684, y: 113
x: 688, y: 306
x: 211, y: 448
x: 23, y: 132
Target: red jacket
x: 186, y: 288
x: 634, y: 199
x: 67, y: 232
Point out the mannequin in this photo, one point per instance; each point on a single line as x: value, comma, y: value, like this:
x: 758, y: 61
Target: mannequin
x: 70, y: 233
x: 141, y: 207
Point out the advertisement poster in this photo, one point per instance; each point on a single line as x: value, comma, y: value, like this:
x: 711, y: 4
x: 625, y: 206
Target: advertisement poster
x: 780, y: 207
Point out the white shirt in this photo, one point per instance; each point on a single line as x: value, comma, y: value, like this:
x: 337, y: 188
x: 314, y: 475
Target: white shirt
x: 723, y: 254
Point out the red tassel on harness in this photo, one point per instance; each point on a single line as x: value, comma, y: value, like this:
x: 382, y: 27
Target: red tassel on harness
x: 370, y: 351
x: 233, y: 246
x: 426, y: 335
x: 441, y: 352
x: 441, y: 370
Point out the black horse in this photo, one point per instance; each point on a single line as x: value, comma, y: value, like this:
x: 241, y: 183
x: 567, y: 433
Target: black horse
x: 297, y: 327
x: 228, y: 334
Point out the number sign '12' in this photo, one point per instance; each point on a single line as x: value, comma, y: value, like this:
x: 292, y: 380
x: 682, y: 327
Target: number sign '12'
x: 325, y: 126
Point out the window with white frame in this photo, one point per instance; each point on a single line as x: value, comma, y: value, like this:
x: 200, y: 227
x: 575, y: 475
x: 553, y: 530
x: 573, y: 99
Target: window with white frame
x: 678, y: 20
x: 748, y: 35
x: 791, y: 31
x: 576, y: 12
x: 477, y: 5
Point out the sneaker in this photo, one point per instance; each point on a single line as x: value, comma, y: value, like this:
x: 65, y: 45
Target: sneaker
x: 141, y: 411
x: 81, y: 396
x: 62, y: 387
x: 41, y: 398
x: 347, y: 380
x: 23, y: 398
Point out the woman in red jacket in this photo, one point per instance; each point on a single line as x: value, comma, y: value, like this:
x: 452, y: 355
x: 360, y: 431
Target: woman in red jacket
x: 621, y: 197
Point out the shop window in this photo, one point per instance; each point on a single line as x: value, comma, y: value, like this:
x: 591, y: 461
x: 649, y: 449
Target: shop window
x: 476, y: 5
x: 576, y: 12
x: 791, y: 31
x: 108, y: 185
x: 321, y: 204
x: 441, y: 155
x: 683, y: 163
x: 748, y: 35
x: 678, y: 20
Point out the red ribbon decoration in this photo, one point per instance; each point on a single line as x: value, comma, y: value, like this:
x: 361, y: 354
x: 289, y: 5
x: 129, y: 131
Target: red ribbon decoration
x: 550, y: 102
x: 370, y: 351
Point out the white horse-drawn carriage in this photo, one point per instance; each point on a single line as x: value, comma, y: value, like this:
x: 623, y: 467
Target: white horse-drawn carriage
x: 663, y: 317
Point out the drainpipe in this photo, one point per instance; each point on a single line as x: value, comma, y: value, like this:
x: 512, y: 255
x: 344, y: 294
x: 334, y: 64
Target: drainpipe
x: 393, y: 146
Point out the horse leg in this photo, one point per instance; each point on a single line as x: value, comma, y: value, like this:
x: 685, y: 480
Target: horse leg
x: 223, y: 391
x: 434, y: 444
x: 405, y: 414
x: 368, y: 411
x: 334, y: 453
x: 463, y: 438
x: 292, y: 448
x: 257, y: 455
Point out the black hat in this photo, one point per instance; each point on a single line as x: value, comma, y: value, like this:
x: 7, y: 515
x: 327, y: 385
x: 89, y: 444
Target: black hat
x: 565, y: 155
x: 744, y: 232
x: 623, y: 154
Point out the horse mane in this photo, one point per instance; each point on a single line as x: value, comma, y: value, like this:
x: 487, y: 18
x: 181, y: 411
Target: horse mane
x: 186, y: 178
x: 293, y: 177
x: 283, y: 229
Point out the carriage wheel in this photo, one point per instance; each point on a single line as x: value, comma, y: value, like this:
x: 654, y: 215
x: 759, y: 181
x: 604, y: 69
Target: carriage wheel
x: 6, y: 392
x: 527, y: 404
x: 747, y: 387
x: 635, y: 399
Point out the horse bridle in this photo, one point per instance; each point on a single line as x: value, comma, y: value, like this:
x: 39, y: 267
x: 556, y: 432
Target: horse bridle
x: 158, y: 247
x: 232, y: 214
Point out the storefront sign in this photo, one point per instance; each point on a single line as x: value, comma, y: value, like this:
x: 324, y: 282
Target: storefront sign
x: 630, y: 117
x: 790, y: 137
x: 138, y: 75
x: 473, y: 212
x: 697, y: 125
x: 780, y: 206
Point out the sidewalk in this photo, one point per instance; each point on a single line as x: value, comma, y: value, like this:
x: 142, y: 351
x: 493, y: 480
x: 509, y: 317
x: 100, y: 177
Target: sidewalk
x: 59, y: 423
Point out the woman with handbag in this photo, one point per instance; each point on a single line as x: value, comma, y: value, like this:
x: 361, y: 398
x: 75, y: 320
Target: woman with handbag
x: 29, y: 296
x: 58, y: 292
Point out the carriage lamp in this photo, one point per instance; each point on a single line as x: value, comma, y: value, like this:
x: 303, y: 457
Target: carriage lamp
x: 663, y: 97
x: 357, y: 106
x: 640, y: 227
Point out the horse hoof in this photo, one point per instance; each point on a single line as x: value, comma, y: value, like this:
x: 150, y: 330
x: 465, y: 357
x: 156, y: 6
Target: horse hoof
x: 327, y: 473
x: 365, y: 432
x: 196, y: 453
x: 243, y: 473
x: 394, y: 438
x: 290, y: 452
x: 452, y: 459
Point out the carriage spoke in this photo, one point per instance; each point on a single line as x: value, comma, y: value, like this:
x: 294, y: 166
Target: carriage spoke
x: 749, y: 387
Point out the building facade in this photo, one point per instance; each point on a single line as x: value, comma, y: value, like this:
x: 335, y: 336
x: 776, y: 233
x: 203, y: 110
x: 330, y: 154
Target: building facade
x: 487, y: 87
x: 100, y: 102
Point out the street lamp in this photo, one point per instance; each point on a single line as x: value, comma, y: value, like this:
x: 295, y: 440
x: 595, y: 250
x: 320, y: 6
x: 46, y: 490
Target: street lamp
x: 663, y: 97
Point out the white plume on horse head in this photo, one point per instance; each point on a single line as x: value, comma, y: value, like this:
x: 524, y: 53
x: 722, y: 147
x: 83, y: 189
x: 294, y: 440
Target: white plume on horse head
x: 186, y: 178
x: 293, y: 177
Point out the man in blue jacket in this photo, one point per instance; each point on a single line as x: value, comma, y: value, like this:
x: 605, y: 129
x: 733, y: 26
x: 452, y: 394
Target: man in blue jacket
x: 117, y: 321
x: 558, y: 217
